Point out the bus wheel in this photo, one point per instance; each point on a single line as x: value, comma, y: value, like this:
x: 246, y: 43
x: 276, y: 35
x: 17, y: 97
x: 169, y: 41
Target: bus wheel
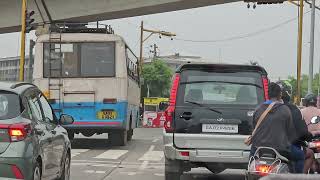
x: 130, y: 134
x: 118, y: 138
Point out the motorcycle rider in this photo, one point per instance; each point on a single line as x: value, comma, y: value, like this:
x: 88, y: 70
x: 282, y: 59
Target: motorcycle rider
x: 308, y: 113
x: 302, y: 157
x: 277, y: 129
x: 311, y: 111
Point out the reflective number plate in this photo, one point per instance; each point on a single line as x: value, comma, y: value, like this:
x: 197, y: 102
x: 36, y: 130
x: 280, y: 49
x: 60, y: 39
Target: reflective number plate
x: 107, y: 114
x: 317, y: 155
x: 220, y: 128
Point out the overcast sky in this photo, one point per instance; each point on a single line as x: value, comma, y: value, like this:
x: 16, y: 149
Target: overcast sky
x: 274, y: 47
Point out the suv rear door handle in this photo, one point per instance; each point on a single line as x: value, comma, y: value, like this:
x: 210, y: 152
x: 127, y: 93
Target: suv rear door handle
x: 186, y: 115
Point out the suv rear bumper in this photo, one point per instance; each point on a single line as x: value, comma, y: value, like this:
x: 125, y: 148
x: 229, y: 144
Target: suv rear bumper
x: 206, y: 155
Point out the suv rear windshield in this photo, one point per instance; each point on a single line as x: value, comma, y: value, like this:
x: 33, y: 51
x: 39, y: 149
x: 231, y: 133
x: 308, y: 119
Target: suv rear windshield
x: 9, y: 105
x: 236, y: 88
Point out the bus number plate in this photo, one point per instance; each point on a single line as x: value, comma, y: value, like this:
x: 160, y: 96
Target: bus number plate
x: 107, y: 114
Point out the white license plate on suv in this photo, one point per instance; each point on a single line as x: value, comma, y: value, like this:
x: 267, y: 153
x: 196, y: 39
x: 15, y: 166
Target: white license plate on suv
x: 220, y: 128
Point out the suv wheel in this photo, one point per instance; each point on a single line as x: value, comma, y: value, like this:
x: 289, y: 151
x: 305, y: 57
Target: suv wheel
x: 172, y: 176
x: 118, y: 138
x: 37, y: 172
x: 173, y: 169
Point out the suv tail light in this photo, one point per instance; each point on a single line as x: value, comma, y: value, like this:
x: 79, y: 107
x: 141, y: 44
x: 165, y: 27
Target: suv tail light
x: 265, y: 82
x: 168, y: 124
x: 17, y: 132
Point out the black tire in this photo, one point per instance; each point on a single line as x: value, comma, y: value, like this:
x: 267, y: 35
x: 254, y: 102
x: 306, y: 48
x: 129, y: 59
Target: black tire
x: 172, y: 176
x: 173, y: 169
x: 37, y: 173
x: 129, y: 135
x: 66, y: 169
x: 70, y: 135
x: 118, y: 138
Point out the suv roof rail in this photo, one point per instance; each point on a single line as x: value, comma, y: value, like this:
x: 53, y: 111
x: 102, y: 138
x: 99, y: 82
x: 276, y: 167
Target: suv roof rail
x: 21, y: 84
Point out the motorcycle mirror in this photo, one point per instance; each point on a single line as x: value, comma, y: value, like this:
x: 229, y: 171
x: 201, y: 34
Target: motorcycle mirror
x: 315, y: 120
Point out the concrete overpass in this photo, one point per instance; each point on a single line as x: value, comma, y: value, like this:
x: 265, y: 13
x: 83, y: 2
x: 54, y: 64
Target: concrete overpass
x: 90, y: 10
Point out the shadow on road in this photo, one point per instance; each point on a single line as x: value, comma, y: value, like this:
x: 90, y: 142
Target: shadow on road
x: 206, y: 175
x: 212, y: 177
x: 86, y: 143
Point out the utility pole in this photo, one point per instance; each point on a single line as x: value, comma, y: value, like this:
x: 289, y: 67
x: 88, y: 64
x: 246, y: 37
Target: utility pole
x: 155, y: 50
x: 141, y: 47
x: 299, y: 53
x: 311, y: 55
x: 23, y: 39
x: 152, y: 32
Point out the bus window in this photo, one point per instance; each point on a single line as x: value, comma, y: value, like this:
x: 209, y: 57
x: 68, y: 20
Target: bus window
x: 132, y: 65
x: 97, y: 59
x: 81, y: 60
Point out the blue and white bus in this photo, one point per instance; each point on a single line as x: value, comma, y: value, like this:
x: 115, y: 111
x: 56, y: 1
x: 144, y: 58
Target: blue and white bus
x: 92, y: 75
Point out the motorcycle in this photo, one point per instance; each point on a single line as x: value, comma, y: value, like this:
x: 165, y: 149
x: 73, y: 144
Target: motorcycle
x: 265, y: 161
x: 314, y: 144
x: 268, y: 161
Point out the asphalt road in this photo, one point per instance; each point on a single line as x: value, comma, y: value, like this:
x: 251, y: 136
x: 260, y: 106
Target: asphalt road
x: 142, y: 159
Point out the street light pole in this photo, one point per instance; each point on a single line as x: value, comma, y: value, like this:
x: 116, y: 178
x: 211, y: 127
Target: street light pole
x: 23, y: 39
x: 311, y: 55
x: 299, y: 53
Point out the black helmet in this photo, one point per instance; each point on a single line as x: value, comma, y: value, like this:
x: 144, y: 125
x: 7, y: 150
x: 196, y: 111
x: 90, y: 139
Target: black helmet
x: 286, y: 90
x: 310, y: 99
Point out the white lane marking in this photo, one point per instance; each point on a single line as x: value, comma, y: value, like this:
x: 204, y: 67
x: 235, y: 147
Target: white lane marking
x: 89, y: 171
x: 76, y: 152
x: 94, y: 172
x: 152, y: 156
x: 151, y: 148
x: 112, y: 154
x: 159, y: 174
x: 100, y: 172
x: 143, y: 165
x: 103, y: 162
x: 155, y: 140
x: 132, y: 173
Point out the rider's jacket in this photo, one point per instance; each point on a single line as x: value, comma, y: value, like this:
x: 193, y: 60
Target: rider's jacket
x: 277, y: 130
x: 308, y: 113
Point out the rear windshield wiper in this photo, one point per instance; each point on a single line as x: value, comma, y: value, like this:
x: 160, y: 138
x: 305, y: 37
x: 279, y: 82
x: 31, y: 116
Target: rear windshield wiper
x: 241, y: 83
x: 202, y: 105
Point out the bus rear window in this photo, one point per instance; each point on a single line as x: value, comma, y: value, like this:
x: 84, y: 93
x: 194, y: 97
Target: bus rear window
x: 9, y: 105
x: 80, y: 60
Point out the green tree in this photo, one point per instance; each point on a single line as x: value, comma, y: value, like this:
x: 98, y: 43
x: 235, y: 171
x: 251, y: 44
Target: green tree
x: 157, y: 76
x: 304, y: 84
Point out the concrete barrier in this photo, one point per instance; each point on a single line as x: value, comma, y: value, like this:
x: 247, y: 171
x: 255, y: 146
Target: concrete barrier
x: 291, y: 177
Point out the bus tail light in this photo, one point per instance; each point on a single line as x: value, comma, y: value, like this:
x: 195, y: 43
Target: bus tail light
x: 169, y: 113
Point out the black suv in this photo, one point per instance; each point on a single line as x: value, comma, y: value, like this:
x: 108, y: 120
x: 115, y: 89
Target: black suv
x: 210, y: 115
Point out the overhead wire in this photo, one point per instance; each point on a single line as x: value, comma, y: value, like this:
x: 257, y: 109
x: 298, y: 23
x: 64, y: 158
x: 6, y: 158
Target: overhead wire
x: 261, y: 31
